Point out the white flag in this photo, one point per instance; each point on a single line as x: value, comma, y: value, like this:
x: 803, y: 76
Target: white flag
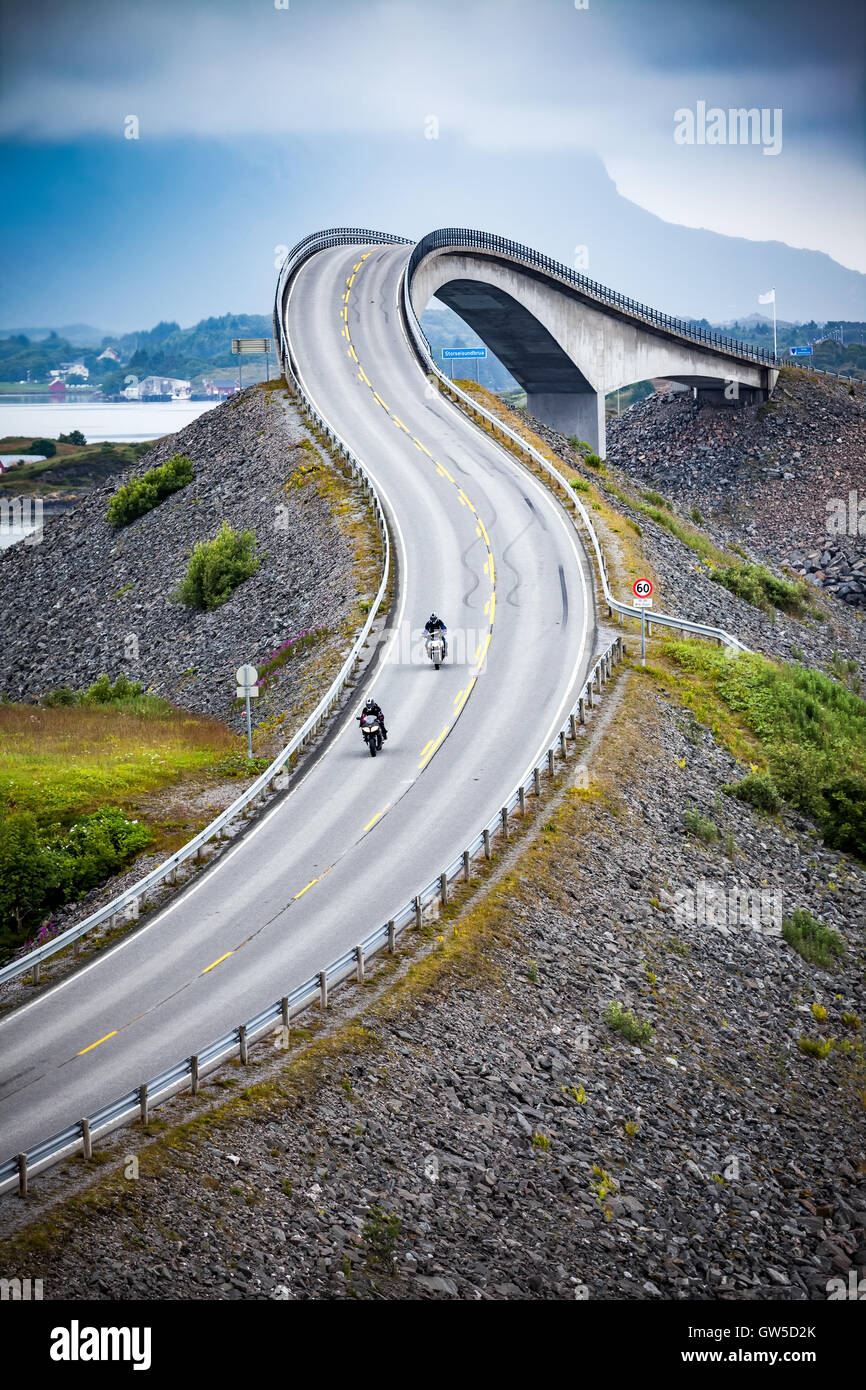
x: 768, y: 298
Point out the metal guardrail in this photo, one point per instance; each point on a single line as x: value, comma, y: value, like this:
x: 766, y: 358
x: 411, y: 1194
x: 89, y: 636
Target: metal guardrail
x: 467, y: 239
x: 187, y: 1074
x: 124, y: 907
x: 424, y: 351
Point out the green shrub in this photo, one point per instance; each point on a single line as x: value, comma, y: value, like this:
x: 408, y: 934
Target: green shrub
x: 102, y: 692
x: 623, y: 1021
x: 217, y: 567
x: 40, y: 871
x: 757, y: 789
x: 815, y: 1047
x: 62, y: 695
x: 757, y: 586
x: 73, y: 437
x: 593, y: 460
x: 142, y: 494
x: 811, y: 939
x: 579, y: 485
x: 43, y: 446
x: 700, y: 826
x: 697, y: 516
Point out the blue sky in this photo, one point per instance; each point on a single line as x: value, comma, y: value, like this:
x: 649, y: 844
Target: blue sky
x: 555, y: 126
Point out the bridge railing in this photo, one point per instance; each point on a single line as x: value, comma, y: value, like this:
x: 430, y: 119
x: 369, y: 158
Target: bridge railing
x: 464, y: 238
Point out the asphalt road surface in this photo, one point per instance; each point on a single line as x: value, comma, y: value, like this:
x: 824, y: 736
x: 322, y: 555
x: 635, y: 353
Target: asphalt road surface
x: 476, y: 538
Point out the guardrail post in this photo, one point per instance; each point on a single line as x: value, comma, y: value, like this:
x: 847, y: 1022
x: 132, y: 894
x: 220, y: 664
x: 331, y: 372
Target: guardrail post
x: 589, y: 694
x: 142, y: 1102
x: 323, y: 989
x: 392, y: 937
x: 76, y: 947
x: 443, y: 888
x: 467, y: 871
x: 36, y: 972
x: 284, y: 1010
x: 86, y: 1141
x: 22, y: 1175
x: 417, y: 909
x: 536, y: 781
x: 562, y: 748
x: 572, y: 726
x: 521, y: 800
x: 551, y: 763
x: 242, y: 1041
x: 359, y: 964
x: 193, y: 1072
x: 503, y: 819
x: 486, y: 835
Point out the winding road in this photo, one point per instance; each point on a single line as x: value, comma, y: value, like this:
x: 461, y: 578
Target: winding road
x: 477, y: 538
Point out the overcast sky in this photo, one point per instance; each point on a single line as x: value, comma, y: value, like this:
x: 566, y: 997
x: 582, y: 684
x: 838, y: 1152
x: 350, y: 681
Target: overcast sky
x: 258, y: 124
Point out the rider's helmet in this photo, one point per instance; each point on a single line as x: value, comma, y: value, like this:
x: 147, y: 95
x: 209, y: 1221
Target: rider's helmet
x: 432, y: 618
x: 370, y: 705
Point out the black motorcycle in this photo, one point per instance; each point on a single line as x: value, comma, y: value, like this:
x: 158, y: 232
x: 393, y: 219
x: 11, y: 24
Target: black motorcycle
x: 372, y: 732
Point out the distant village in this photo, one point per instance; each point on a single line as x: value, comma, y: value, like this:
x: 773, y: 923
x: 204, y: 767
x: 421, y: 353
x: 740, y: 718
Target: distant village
x: 73, y: 376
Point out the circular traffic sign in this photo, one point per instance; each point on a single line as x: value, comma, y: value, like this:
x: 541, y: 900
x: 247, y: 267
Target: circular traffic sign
x: 642, y: 588
x: 246, y: 675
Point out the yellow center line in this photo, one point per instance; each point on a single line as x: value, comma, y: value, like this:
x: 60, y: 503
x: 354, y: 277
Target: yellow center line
x: 375, y: 818
x: 427, y: 756
x: 377, y: 397
x: 350, y: 278
x: 399, y: 424
x: 422, y: 447
x: 363, y: 376
x: 352, y: 353
x: 466, y: 693
x: 366, y: 254
x: 357, y: 267
x: 217, y: 962
x: 98, y: 1041
x: 304, y: 890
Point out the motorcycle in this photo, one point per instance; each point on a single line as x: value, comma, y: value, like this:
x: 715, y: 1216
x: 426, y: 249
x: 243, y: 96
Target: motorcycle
x: 372, y: 733
x: 436, y: 648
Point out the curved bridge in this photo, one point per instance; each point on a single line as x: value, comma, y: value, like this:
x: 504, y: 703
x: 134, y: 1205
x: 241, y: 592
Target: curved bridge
x: 569, y: 341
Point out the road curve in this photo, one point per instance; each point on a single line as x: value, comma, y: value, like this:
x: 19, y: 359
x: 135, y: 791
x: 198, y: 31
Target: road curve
x: 477, y: 538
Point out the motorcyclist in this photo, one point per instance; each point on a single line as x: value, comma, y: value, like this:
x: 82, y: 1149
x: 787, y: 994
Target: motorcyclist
x: 435, y: 624
x: 370, y: 707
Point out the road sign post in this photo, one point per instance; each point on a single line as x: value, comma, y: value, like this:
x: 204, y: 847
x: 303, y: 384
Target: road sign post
x: 642, y: 590
x: 246, y: 677
x: 259, y: 346
x: 475, y: 353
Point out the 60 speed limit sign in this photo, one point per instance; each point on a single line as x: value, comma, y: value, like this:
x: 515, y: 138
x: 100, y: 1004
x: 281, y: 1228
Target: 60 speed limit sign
x: 642, y: 588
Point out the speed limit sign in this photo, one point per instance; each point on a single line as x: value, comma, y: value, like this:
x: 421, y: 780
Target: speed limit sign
x: 642, y: 588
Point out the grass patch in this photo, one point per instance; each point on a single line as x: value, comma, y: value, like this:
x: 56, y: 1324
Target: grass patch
x: 800, y: 726
x: 757, y: 789
x: 813, y: 941
x: 699, y: 826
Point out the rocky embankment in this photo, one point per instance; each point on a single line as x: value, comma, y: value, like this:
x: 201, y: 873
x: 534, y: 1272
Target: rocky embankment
x: 484, y: 1132
x: 777, y: 478
x: 90, y: 599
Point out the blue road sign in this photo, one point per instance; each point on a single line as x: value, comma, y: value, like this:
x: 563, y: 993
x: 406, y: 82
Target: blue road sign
x: 801, y: 351
x: 464, y: 352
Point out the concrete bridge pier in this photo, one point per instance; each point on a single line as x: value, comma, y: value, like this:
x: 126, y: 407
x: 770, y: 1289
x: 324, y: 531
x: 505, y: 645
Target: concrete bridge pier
x: 578, y: 413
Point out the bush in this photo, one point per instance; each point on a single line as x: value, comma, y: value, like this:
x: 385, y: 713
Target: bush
x: 623, y: 1021
x: 217, y: 567
x: 699, y: 826
x: 43, y: 446
x: 757, y: 586
x: 62, y: 695
x: 757, y: 789
x: 40, y: 871
x: 73, y: 437
x: 697, y: 516
x: 593, y: 460
x: 811, y: 939
x: 142, y: 494
x: 102, y: 692
x: 579, y: 485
